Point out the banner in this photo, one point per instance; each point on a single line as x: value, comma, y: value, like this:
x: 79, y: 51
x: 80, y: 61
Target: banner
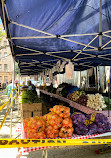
x: 69, y: 69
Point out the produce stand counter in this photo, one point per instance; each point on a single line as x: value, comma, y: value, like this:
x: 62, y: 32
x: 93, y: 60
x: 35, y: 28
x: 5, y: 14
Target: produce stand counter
x: 75, y: 105
x: 20, y: 130
x: 84, y: 109
x: 71, y: 103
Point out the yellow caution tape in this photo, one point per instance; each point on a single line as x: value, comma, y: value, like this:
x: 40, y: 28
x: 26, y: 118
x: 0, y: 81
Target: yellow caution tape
x: 13, y: 143
x: 4, y: 118
x: 1, y: 107
x: 7, y: 110
x: 108, y: 80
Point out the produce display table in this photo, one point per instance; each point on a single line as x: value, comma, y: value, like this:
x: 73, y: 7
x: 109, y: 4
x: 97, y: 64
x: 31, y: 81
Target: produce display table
x: 22, y: 151
x: 82, y: 108
x: 75, y: 105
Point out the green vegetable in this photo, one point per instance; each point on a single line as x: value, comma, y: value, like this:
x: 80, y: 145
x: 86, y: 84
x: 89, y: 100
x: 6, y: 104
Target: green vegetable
x: 29, y: 97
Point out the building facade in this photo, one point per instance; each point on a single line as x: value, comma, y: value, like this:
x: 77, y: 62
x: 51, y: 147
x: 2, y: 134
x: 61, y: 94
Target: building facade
x: 5, y: 60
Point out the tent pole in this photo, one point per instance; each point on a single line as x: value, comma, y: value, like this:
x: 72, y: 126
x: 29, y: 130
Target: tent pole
x: 3, y: 10
x: 54, y: 36
x: 11, y: 112
x: 19, y: 80
x: 98, y: 78
x: 80, y: 79
x: 100, y: 24
x: 19, y: 90
x: 109, y: 93
x: 50, y: 34
x: 87, y: 80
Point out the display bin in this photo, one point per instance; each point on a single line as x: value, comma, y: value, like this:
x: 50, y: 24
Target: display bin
x: 31, y: 107
x: 30, y: 110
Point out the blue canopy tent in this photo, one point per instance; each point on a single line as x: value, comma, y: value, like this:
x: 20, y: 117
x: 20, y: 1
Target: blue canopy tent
x: 41, y: 32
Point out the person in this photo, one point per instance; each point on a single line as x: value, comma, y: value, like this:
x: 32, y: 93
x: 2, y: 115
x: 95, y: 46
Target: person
x: 32, y: 87
x: 8, y: 90
x: 16, y: 89
x: 16, y: 85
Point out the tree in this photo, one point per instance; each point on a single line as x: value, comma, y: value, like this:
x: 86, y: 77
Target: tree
x: 2, y: 34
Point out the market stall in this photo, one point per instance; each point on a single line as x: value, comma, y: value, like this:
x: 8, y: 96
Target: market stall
x: 53, y: 35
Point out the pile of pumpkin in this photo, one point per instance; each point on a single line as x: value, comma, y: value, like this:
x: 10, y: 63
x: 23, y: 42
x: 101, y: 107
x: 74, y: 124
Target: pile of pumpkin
x: 57, y: 123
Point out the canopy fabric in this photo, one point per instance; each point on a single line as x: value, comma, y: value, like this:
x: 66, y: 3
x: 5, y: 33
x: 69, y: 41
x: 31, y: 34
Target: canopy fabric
x: 41, y: 32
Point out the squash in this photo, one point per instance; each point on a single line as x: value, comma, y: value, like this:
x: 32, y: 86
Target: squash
x: 66, y: 132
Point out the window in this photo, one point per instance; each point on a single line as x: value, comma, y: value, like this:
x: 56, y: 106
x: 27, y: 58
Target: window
x: 0, y: 67
x: 5, y: 55
x: 5, y: 79
x: 5, y: 67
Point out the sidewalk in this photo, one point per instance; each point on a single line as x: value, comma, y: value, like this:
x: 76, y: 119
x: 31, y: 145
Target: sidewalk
x: 5, y: 130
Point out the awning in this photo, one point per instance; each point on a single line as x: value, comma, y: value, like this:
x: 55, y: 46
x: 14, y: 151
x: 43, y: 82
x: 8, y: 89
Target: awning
x: 41, y: 32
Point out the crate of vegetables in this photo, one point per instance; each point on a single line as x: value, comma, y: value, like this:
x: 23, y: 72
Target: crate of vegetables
x: 31, y: 107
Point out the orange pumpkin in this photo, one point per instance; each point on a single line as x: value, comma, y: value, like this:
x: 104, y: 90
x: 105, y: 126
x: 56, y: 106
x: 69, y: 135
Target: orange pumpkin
x: 53, y: 119
x: 67, y: 122
x: 25, y: 124
x: 66, y: 132
x: 60, y: 110
x: 36, y: 135
x: 51, y: 132
x: 36, y: 123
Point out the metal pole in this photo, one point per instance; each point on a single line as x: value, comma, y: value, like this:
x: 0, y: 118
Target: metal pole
x: 19, y: 83
x: 98, y: 78
x: 80, y: 78
x: 87, y: 81
x: 11, y: 112
x: 109, y: 94
x: 100, y: 24
x: 18, y: 91
x: 44, y: 154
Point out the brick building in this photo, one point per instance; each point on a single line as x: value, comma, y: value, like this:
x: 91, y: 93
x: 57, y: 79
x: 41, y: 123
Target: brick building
x: 5, y: 61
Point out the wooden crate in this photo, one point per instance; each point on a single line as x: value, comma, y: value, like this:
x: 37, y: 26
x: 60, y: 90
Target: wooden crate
x: 31, y: 107
x: 26, y: 114
x: 31, y: 110
x: 37, y: 113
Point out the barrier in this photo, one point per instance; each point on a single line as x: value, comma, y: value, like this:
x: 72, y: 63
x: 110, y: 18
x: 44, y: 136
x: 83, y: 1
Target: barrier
x: 8, y: 108
x: 1, y: 107
x: 13, y: 143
